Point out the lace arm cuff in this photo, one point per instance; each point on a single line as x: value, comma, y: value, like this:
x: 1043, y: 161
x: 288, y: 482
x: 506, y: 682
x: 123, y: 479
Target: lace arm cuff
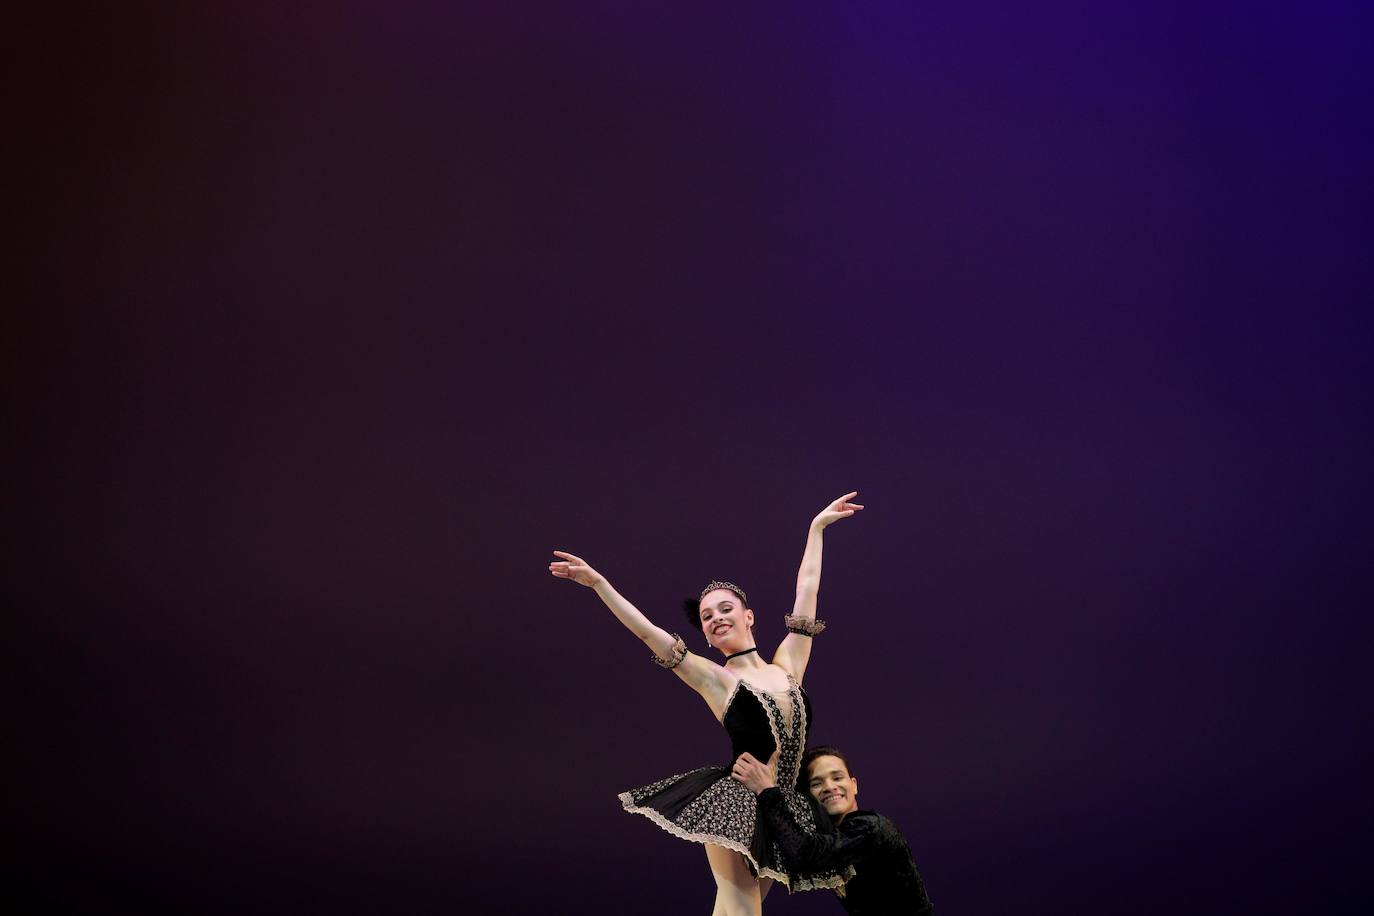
x: 676, y: 653
x: 803, y: 626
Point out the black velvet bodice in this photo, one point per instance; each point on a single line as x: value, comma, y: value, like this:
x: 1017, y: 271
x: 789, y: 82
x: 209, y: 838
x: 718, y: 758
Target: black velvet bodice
x: 746, y: 721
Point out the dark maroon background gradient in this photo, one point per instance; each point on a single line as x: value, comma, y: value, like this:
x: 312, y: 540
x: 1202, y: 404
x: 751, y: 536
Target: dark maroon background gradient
x: 353, y: 312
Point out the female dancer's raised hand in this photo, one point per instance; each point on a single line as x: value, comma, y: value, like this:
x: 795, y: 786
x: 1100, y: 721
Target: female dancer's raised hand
x: 840, y: 508
x: 576, y: 569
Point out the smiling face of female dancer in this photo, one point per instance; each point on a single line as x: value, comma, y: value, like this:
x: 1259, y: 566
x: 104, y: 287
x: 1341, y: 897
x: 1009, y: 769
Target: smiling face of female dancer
x: 725, y: 621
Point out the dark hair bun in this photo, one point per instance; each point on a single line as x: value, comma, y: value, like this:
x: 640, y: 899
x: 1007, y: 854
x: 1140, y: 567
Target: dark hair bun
x: 691, y: 608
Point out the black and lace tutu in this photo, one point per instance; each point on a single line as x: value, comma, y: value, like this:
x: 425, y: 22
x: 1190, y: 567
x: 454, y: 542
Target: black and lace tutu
x: 707, y: 806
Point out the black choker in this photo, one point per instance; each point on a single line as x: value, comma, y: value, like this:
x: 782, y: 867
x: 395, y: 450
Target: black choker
x: 738, y: 654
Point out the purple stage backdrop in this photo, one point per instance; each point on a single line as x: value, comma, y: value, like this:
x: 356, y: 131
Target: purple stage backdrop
x: 352, y: 312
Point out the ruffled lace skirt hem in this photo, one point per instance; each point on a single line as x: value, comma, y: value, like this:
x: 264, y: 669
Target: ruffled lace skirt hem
x: 707, y: 806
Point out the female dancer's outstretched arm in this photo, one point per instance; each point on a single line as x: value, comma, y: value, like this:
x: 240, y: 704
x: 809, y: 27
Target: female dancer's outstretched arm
x: 701, y: 675
x: 795, y: 650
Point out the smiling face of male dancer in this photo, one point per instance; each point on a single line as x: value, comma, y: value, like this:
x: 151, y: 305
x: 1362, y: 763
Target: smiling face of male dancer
x: 725, y: 621
x: 830, y: 783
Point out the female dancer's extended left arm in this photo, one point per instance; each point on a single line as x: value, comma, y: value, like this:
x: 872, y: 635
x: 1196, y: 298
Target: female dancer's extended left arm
x: 795, y: 650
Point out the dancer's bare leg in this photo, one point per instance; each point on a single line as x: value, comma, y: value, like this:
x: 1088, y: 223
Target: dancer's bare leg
x: 765, y: 885
x: 737, y: 891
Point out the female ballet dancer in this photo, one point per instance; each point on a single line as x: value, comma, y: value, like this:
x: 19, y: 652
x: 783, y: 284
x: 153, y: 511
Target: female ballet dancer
x: 764, y: 711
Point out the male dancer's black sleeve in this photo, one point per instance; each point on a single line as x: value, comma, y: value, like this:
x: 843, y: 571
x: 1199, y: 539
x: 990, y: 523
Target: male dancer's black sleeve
x: 887, y: 880
x: 856, y: 836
